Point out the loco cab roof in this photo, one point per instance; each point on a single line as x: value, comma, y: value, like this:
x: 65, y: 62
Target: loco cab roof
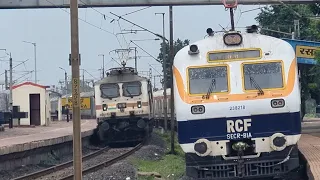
x: 121, y: 75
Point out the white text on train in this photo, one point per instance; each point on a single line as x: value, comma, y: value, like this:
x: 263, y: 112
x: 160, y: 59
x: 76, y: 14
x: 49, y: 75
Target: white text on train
x: 238, y: 125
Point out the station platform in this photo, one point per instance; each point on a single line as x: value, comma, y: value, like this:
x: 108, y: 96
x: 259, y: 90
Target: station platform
x: 309, y: 146
x: 20, y: 139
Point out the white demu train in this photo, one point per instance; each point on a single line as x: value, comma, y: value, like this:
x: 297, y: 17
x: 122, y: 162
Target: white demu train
x: 237, y: 104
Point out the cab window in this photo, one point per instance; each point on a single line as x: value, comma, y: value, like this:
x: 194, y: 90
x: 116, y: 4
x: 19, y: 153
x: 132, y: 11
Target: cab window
x: 263, y: 75
x: 131, y: 89
x: 109, y: 90
x: 205, y: 80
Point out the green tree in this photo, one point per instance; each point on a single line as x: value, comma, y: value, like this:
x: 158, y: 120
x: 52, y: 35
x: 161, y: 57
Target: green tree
x: 177, y: 45
x: 281, y: 18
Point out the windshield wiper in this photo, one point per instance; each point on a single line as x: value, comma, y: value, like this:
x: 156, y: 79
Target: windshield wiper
x: 256, y: 85
x: 129, y: 93
x: 213, y: 84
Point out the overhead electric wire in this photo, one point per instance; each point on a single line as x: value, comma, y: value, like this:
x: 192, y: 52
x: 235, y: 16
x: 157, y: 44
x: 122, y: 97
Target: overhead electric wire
x: 158, y: 35
x: 16, y: 65
x: 136, y: 11
x: 103, y: 15
x: 155, y: 69
x: 87, y: 22
x: 90, y: 74
x: 145, y: 51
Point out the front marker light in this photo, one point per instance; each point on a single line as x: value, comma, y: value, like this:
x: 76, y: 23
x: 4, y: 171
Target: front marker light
x: 198, y: 109
x: 277, y: 103
x: 104, y: 107
x: 139, y: 104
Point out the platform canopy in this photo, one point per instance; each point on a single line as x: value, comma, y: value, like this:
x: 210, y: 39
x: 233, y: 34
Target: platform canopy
x: 22, y: 4
x: 305, y: 50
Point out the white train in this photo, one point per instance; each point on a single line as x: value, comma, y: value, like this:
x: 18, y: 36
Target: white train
x: 237, y: 104
x: 123, y: 106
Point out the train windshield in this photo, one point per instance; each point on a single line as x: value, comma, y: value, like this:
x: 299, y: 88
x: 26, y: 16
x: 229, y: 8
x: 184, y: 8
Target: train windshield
x: 109, y: 90
x: 204, y: 79
x: 131, y: 89
x: 267, y: 75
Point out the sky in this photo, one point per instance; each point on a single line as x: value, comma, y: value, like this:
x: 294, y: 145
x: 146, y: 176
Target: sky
x: 50, y: 30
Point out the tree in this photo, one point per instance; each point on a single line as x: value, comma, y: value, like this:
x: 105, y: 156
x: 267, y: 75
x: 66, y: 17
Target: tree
x: 281, y: 18
x: 177, y: 45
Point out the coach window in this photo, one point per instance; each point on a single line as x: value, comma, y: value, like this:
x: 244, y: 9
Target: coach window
x: 131, y: 89
x: 206, y: 80
x: 109, y: 90
x: 263, y: 75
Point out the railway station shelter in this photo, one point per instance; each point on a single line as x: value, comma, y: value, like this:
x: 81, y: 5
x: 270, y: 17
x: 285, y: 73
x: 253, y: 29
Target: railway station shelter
x: 305, y: 53
x: 33, y: 99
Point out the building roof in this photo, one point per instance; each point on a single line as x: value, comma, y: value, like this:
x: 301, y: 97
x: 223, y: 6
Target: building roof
x: 29, y: 83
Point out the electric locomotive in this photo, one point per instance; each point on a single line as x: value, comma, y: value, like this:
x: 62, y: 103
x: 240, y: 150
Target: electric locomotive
x: 237, y: 103
x: 123, y: 106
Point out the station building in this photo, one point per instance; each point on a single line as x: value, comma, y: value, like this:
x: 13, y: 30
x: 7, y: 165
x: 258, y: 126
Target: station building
x: 34, y: 100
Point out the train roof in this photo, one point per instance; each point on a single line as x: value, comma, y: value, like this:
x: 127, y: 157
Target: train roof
x: 120, y: 75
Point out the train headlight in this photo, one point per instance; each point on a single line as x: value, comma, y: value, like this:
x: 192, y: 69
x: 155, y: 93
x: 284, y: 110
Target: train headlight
x: 277, y: 103
x: 104, y: 107
x: 139, y: 104
x: 202, y: 147
x: 232, y: 39
x: 193, y: 49
x: 278, y: 142
x: 198, y: 109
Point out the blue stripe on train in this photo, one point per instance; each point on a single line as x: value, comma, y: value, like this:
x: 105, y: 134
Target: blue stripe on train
x: 261, y: 126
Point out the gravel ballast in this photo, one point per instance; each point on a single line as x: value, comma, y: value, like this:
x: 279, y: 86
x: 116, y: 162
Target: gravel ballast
x: 50, y: 161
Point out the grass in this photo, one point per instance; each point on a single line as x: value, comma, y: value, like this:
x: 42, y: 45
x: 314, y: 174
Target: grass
x: 310, y: 115
x: 171, y: 166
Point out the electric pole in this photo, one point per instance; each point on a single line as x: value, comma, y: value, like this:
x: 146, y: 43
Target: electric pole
x: 6, y: 79
x: 171, y: 63
x: 135, y: 59
x: 164, y: 67
x: 75, y: 66
x: 102, y: 64
x: 10, y: 96
x: 67, y: 94
x: 35, y: 59
x: 83, y: 83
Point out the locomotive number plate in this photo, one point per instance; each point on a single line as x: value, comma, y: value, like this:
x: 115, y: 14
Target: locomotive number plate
x: 237, y: 108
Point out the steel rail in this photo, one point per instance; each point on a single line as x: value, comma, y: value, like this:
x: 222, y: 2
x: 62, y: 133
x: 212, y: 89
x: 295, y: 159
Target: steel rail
x: 59, y: 166
x: 106, y: 163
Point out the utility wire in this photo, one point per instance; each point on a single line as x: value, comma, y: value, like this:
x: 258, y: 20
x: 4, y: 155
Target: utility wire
x: 23, y: 75
x: 146, y: 51
x: 155, y: 69
x: 158, y: 35
x: 136, y: 11
x: 90, y: 74
x: 87, y: 22
x: 16, y: 66
x: 103, y: 15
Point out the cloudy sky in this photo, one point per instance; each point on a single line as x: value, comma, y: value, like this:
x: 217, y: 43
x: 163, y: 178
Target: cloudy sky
x: 50, y: 29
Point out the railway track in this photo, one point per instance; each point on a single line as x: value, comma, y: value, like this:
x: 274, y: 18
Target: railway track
x: 59, y: 166
x: 64, y: 166
x: 106, y: 163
